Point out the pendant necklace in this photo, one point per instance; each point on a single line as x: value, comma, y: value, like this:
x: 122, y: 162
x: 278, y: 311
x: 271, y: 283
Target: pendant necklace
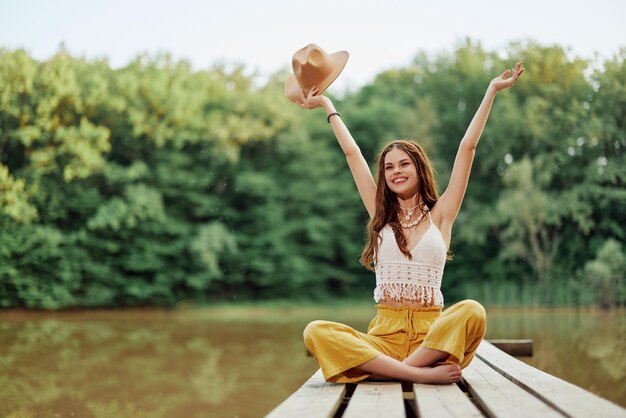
x: 409, y: 213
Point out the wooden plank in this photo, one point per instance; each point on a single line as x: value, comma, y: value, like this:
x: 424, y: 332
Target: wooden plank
x: 569, y: 399
x: 316, y: 398
x: 515, y: 347
x: 443, y: 401
x: 499, y: 397
x: 379, y: 399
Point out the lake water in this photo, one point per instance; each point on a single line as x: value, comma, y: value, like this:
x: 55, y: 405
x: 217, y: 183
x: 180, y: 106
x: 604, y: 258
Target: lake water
x: 241, y: 362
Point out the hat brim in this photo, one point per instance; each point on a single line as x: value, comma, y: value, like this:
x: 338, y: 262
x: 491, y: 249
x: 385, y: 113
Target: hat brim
x: 293, y: 89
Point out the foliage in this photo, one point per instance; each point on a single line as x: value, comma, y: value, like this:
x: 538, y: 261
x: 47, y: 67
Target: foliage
x: 156, y: 184
x: 605, y: 275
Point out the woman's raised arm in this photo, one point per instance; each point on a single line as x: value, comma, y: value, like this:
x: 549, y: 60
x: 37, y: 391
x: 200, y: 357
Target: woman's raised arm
x: 358, y: 166
x: 450, y: 201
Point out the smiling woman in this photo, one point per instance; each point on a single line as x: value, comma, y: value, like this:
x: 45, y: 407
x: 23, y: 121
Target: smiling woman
x: 410, y: 338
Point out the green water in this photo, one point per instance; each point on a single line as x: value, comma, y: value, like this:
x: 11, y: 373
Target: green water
x: 240, y: 362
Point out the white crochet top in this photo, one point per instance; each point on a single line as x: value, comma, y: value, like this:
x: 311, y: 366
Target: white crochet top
x: 417, y: 280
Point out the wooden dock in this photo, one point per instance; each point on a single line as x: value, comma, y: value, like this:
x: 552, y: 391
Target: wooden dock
x: 494, y: 385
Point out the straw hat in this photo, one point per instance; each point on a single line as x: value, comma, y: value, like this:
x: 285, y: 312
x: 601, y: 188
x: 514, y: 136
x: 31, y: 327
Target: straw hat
x: 312, y: 66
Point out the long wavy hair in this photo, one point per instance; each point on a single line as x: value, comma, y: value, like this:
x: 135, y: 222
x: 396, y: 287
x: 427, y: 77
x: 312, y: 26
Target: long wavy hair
x: 387, y: 201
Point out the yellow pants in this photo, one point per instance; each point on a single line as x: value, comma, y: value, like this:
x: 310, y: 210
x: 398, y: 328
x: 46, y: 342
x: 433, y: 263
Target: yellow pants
x: 396, y: 332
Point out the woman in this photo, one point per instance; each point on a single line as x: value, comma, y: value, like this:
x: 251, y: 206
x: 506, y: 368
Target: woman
x: 408, y: 238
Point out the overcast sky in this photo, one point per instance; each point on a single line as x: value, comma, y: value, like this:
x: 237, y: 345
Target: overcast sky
x: 264, y: 34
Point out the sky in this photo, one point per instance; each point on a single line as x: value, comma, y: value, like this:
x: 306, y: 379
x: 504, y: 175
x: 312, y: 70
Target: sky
x: 263, y: 35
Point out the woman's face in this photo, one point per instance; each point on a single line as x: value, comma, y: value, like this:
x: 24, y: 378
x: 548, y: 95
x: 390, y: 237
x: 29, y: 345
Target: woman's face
x: 400, y: 173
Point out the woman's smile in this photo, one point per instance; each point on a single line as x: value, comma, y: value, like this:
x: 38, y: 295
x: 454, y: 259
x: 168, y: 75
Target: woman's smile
x: 400, y: 170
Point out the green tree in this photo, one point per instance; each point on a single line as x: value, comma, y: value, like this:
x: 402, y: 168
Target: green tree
x: 605, y: 275
x: 155, y: 183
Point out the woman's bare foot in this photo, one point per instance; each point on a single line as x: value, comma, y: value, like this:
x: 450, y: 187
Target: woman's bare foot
x: 439, y: 375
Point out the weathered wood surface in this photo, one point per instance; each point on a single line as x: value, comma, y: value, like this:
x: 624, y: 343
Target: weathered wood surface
x: 376, y: 399
x: 316, y: 398
x: 570, y: 399
x: 494, y: 385
x: 443, y: 401
x: 500, y: 396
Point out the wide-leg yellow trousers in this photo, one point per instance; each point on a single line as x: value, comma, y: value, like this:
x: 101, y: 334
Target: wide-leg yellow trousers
x: 396, y: 332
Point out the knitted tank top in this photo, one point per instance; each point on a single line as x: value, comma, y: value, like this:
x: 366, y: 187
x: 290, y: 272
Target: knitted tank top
x: 417, y: 280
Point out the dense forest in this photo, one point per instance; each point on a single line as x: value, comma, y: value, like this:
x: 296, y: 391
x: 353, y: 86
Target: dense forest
x: 156, y: 184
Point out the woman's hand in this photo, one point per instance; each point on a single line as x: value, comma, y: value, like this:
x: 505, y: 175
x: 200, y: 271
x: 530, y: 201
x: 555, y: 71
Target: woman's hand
x: 311, y: 100
x: 502, y: 82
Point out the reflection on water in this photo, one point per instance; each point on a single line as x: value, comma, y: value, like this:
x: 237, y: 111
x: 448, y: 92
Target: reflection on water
x: 239, y: 362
